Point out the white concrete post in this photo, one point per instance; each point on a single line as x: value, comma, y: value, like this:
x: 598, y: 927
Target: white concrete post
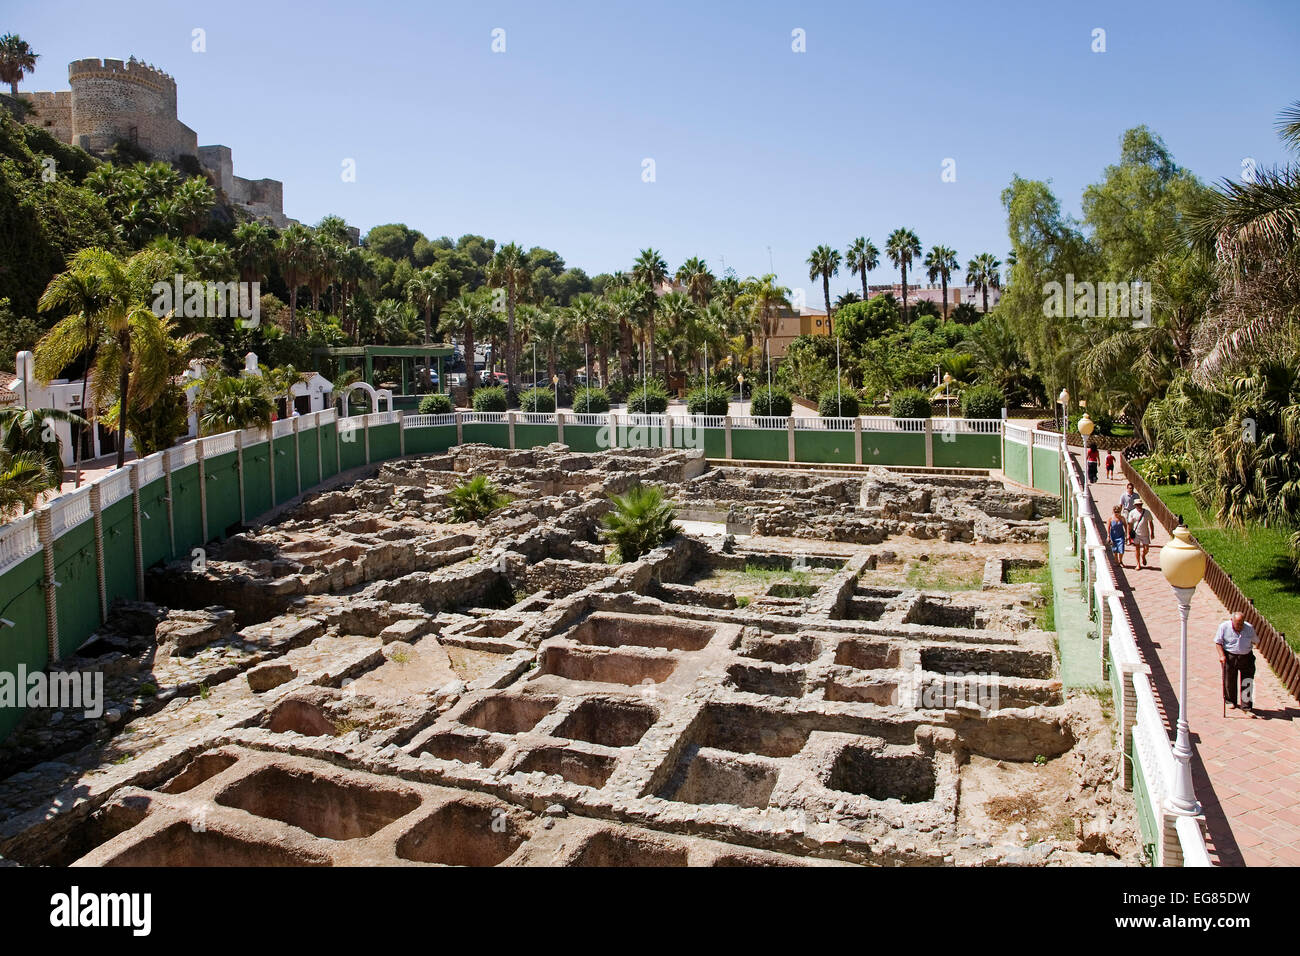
x: 726, y: 429
x: 789, y: 438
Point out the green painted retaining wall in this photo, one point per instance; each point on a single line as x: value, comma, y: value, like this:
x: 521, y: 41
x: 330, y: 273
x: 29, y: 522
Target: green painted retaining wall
x: 1015, y: 462
x: 760, y: 444
x: 967, y: 451
x: 22, y: 600
x: 893, y: 448
x: 836, y: 446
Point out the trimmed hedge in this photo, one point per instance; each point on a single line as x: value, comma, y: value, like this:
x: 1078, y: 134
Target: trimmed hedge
x: 537, y: 400
x: 435, y: 405
x: 842, y: 405
x: 983, y: 401
x: 715, y: 401
x: 771, y: 401
x: 490, y: 399
x: 590, y: 400
x: 648, y: 399
x: 910, y: 403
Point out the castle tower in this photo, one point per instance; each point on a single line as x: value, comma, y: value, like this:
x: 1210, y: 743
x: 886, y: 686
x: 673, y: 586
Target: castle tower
x: 131, y: 101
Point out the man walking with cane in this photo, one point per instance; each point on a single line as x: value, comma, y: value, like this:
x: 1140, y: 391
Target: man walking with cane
x: 1235, y: 642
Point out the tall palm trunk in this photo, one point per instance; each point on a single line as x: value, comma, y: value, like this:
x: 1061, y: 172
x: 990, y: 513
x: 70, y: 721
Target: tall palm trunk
x: 604, y: 363
x: 986, y: 300
x: 625, y: 358
x: 826, y: 294
x: 864, y: 285
x: 944, y: 280
x: 293, y: 311
x: 85, y: 376
x: 471, y: 376
x: 427, y: 329
x: 512, y: 353
x: 123, y: 387
x: 904, y: 268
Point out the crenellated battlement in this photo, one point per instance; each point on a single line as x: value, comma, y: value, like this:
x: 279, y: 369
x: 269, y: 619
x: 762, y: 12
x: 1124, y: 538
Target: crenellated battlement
x: 132, y: 70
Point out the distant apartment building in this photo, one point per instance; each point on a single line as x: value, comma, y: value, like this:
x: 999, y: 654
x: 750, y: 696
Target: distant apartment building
x: 957, y: 294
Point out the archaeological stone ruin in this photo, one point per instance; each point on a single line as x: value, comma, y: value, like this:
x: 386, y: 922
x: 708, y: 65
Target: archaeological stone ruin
x: 818, y: 669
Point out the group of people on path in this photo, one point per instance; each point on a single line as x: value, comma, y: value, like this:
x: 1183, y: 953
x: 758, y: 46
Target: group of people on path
x: 1131, y: 524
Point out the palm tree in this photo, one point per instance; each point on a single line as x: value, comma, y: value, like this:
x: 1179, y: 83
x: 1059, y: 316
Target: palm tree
x: 586, y: 313
x: 233, y: 402
x: 355, y: 267
x: 902, y: 247
x: 1253, y: 229
x: 509, y: 269
x: 824, y: 262
x: 426, y: 291
x: 862, y: 258
x: 626, y: 305
x: 982, y: 273
x: 651, y: 271
x: 25, y: 431
x: 678, y: 311
x: 77, y: 291
x: 762, y: 300
x: 135, y: 347
x: 695, y: 277
x: 468, y: 310
x: 941, y: 263
x: 640, y: 521
x: 254, y: 250
x: 16, y: 60
x: 23, y: 479
x: 294, y: 250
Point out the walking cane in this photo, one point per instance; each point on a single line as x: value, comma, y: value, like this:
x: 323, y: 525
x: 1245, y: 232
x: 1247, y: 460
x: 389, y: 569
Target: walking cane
x: 1223, y: 685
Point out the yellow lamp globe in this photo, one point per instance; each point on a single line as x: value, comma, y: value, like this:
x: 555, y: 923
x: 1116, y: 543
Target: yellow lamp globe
x: 1086, y: 425
x: 1181, y: 561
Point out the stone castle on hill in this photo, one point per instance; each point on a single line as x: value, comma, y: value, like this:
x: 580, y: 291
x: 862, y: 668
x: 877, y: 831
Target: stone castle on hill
x: 112, y: 101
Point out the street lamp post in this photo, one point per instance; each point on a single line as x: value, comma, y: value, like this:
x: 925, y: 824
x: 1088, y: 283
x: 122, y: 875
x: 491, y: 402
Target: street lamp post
x: 1183, y: 565
x: 1086, y: 426
x: 1064, y: 399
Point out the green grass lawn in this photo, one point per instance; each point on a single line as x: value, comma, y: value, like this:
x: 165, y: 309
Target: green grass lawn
x: 1256, y: 559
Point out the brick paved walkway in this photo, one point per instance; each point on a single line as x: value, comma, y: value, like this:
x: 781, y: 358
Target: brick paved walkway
x: 1246, y: 772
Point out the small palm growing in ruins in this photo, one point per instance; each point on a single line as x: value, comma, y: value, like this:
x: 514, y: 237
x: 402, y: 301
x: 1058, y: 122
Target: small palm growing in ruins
x: 640, y: 522
x: 476, y: 498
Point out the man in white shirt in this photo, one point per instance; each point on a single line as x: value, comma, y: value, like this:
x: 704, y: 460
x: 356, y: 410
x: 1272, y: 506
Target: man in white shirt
x: 1128, y: 499
x: 1142, y: 529
x: 1235, y: 642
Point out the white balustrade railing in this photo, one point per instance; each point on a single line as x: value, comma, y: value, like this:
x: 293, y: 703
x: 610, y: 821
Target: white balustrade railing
x: 1016, y: 434
x: 221, y: 444
x: 589, y: 418
x: 151, y: 468
x: 69, y: 510
x: 759, y: 421
x: 836, y: 424
x: 114, y: 486
x: 18, y: 541
x: 252, y: 436
x: 1047, y: 440
x: 535, y: 418
x: 428, y: 421
x: 327, y: 416
x: 483, y: 418
x: 178, y: 456
x: 282, y: 428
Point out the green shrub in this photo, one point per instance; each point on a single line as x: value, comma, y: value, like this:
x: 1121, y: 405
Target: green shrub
x: 910, y: 403
x: 982, y: 401
x: 640, y: 521
x: 771, y: 401
x: 842, y: 404
x: 476, y: 498
x: 590, y: 400
x: 490, y: 399
x: 1164, y: 469
x: 537, y: 400
x: 1105, y: 423
x: 435, y: 405
x: 616, y: 389
x: 648, y: 399
x: 713, y: 401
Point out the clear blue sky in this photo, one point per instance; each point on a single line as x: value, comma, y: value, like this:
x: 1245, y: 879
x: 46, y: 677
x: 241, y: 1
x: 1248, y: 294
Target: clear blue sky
x: 755, y: 146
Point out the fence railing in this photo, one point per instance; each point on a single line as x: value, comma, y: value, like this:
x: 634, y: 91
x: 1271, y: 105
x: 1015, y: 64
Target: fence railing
x: 18, y: 540
x: 1280, y: 656
x: 1142, y: 727
x: 428, y: 421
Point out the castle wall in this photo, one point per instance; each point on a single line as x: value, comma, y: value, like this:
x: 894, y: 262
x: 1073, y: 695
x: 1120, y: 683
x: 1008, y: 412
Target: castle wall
x: 218, y: 161
x: 114, y: 100
x: 53, y: 113
x: 131, y: 101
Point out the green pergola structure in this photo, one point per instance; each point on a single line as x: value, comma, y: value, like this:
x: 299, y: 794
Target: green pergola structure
x: 408, y: 357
